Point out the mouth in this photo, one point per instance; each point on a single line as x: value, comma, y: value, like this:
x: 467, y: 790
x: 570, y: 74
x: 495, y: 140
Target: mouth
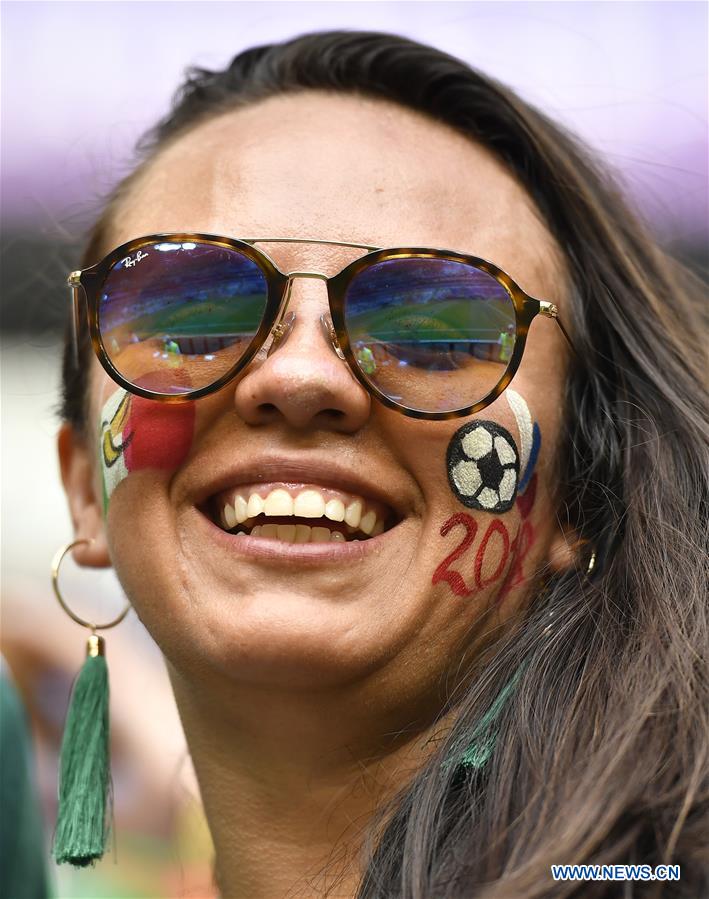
x: 298, y: 514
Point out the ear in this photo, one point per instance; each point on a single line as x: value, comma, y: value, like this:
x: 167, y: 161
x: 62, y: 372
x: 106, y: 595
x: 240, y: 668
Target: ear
x: 564, y: 549
x: 77, y: 465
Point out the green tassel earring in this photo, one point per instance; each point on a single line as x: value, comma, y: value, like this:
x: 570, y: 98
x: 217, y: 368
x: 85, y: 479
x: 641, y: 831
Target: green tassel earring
x: 83, y: 819
x: 84, y: 766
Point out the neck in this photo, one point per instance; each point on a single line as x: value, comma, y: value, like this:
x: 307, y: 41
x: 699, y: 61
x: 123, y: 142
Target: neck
x: 291, y: 780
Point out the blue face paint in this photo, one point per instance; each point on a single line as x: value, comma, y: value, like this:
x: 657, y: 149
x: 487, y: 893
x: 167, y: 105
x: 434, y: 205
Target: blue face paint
x: 529, y: 470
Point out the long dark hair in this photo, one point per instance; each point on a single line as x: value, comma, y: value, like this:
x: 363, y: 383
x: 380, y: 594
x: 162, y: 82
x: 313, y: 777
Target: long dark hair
x: 602, y: 748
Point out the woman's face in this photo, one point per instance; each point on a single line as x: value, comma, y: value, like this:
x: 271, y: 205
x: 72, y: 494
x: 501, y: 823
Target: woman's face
x: 392, y: 612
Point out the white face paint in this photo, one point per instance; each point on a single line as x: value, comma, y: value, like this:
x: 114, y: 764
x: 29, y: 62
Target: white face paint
x: 524, y: 424
x: 529, y: 435
x: 113, y: 427
x: 485, y: 469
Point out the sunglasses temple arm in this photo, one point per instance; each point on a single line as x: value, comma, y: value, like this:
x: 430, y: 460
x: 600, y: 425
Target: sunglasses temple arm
x: 74, y: 287
x: 566, y: 335
x: 550, y: 311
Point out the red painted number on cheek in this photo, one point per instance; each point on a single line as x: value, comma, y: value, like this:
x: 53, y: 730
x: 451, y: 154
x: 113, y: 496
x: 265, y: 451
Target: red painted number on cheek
x: 442, y: 573
x: 518, y: 549
x: 496, y: 527
x: 521, y: 546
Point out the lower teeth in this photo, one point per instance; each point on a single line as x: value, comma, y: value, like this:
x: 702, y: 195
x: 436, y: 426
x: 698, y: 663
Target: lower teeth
x: 296, y: 533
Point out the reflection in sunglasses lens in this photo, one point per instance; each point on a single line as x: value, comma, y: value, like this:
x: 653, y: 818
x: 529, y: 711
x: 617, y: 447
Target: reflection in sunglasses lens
x: 433, y: 334
x: 175, y: 316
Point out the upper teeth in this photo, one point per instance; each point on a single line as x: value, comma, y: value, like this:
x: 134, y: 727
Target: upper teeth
x: 307, y: 503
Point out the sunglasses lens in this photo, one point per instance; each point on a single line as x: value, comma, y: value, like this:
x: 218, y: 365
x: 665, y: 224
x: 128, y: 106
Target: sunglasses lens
x: 177, y: 316
x: 432, y: 334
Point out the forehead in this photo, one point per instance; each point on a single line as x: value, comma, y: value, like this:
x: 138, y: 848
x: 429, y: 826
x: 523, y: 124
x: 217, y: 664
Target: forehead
x: 341, y: 167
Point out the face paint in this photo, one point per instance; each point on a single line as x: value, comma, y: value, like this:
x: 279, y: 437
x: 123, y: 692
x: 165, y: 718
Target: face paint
x: 137, y: 433
x: 486, y: 472
x: 453, y: 578
x: 521, y: 546
x: 114, y: 438
x: 529, y: 434
x: 524, y: 539
x: 483, y: 466
x: 488, y: 554
x: 491, y: 556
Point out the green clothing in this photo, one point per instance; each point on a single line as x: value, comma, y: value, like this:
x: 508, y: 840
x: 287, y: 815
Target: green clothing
x: 506, y: 342
x: 23, y: 871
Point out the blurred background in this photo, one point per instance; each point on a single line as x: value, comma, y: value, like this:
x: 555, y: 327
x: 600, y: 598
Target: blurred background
x: 81, y: 81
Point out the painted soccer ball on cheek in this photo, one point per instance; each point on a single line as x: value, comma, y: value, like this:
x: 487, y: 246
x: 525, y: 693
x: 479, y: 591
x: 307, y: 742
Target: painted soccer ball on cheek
x: 483, y: 466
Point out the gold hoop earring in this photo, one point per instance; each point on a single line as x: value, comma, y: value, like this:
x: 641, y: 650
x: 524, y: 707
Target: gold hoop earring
x: 84, y: 760
x: 591, y: 563
x: 56, y: 565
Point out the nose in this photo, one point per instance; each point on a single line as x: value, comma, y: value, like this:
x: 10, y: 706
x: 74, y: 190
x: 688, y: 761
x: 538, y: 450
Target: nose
x: 303, y: 380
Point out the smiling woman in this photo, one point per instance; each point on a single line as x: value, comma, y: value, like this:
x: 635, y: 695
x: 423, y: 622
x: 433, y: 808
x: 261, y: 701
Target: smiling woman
x: 428, y: 633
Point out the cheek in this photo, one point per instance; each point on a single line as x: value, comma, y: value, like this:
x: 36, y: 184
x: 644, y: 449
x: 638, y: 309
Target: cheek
x: 488, y: 472
x: 136, y: 433
x: 488, y: 553
x: 530, y: 437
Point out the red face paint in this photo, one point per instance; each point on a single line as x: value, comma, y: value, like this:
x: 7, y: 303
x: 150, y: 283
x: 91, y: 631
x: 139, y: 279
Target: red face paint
x: 160, y: 434
x: 493, y: 553
x: 496, y: 527
x: 521, y: 546
x: 442, y: 573
x: 136, y: 433
x: 490, y: 552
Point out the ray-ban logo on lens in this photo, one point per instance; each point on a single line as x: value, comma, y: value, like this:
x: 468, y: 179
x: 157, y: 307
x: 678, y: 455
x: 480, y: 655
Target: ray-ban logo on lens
x: 130, y: 261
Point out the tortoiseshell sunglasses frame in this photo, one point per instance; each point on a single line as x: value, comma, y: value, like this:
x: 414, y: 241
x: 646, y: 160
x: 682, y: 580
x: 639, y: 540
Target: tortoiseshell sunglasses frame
x: 91, y: 279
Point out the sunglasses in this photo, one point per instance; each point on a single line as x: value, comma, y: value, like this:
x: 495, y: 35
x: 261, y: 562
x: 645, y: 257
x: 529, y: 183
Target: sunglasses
x: 432, y: 333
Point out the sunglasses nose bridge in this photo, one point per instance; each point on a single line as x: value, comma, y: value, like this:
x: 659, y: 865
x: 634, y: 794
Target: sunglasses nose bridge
x: 330, y: 334
x: 284, y: 325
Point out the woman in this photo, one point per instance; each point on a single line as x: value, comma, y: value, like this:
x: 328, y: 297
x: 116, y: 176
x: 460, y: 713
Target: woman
x: 496, y: 662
